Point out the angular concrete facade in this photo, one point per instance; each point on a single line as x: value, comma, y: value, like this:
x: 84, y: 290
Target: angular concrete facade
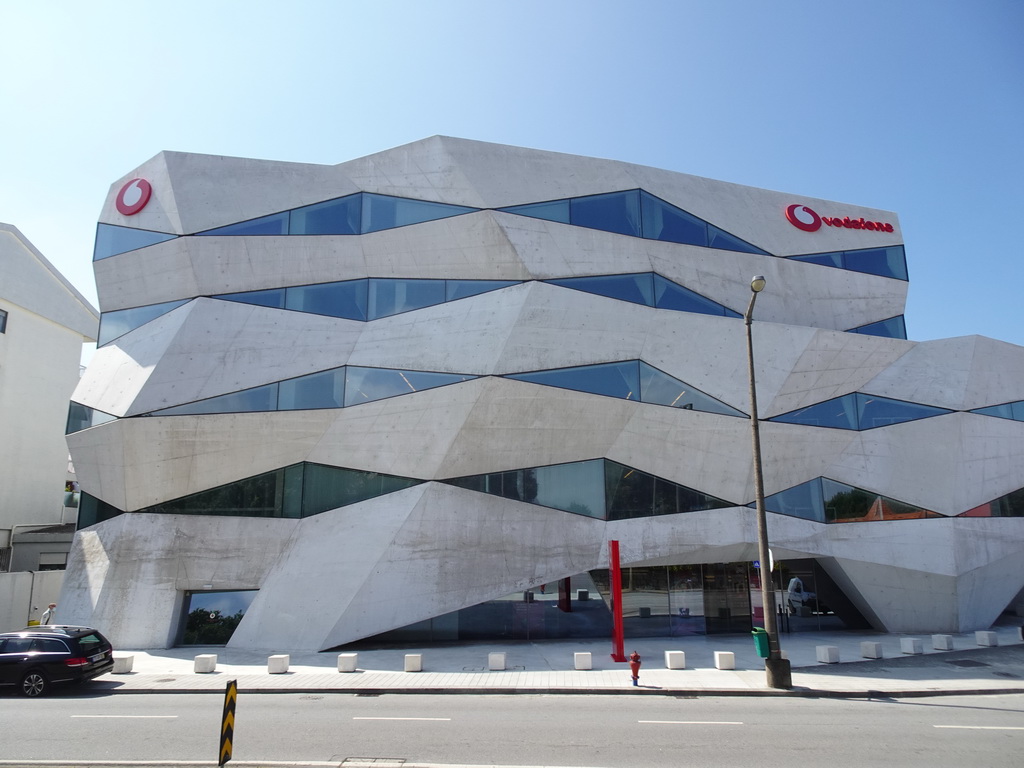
x: 212, y: 343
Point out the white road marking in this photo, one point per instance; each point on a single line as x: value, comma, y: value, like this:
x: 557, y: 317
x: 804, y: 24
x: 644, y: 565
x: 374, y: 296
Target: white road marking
x: 983, y: 727
x: 403, y: 718
x: 691, y: 722
x: 130, y: 717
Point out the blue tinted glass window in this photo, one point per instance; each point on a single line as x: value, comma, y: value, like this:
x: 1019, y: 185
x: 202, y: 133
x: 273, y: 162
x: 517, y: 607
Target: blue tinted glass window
x: 689, y: 500
x: 461, y: 289
x: 893, y: 328
x: 718, y: 238
x: 629, y: 492
x: 668, y: 295
x: 383, y: 212
x: 82, y: 417
x: 620, y: 380
x: 638, y: 289
x: 827, y: 259
x: 121, y: 321
x: 662, y: 221
x: 803, y: 500
x: 274, y: 224
x: 3, y: 321
x: 334, y: 217
x: 325, y: 488
x: 887, y: 262
x: 1013, y: 411
x: 881, y: 411
x: 840, y: 413
x: 252, y: 497
x: 346, y: 299
x: 318, y: 390
x: 391, y: 297
x: 660, y: 388
x: 615, y: 212
x: 273, y: 298
x: 111, y: 240
x: 576, y: 487
x: 246, y: 401
x: 363, y: 385
x: 556, y: 210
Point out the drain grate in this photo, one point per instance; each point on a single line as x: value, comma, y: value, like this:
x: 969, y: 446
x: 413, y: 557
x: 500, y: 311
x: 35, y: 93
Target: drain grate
x: 966, y: 663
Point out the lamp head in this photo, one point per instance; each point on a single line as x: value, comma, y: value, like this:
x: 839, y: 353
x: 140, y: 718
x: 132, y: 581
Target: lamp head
x: 757, y: 283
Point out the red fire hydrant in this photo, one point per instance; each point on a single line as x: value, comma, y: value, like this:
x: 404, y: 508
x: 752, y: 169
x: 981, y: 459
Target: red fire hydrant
x: 634, y: 667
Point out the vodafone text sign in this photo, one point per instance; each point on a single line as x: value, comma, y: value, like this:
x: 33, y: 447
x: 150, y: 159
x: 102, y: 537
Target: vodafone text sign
x: 802, y: 217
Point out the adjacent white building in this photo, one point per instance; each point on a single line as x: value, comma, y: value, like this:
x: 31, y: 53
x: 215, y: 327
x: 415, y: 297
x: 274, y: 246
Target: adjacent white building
x: 419, y: 392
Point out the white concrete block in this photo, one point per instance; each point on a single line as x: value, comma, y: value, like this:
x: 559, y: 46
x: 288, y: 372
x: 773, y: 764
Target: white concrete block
x: 414, y: 662
x: 942, y: 642
x: 278, y: 663
x: 911, y: 645
x: 582, y: 660
x: 827, y: 654
x: 1020, y: 633
x: 206, y: 663
x: 870, y: 650
x: 122, y: 665
x: 348, y: 662
x: 725, y: 660
x: 496, y: 661
x: 985, y: 637
x: 675, y: 660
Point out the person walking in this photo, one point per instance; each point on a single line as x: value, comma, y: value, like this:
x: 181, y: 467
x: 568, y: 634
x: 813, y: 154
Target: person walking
x: 634, y: 667
x: 49, y: 615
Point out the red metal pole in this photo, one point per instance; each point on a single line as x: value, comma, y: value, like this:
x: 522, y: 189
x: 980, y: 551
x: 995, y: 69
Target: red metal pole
x: 615, y: 576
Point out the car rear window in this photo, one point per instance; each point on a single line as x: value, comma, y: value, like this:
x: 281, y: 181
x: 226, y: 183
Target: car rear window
x: 90, y: 643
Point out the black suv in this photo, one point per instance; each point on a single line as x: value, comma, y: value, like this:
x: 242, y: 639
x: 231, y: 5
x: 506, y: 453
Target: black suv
x: 36, y: 657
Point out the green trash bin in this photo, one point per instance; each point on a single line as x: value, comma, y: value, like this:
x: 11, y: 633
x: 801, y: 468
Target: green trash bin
x: 761, y: 642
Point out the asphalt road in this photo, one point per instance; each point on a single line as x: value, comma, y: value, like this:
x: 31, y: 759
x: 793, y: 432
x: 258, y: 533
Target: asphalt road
x: 608, y: 732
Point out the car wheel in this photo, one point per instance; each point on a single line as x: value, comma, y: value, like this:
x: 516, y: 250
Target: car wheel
x: 34, y: 684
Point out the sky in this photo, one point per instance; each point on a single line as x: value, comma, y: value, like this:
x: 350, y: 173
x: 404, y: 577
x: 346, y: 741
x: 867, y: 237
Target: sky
x: 912, y: 106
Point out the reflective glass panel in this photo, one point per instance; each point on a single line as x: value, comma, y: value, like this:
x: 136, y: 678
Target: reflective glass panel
x: 629, y: 492
x: 669, y: 295
x: 246, y: 401
x: 273, y: 298
x: 718, y: 238
x: 887, y: 262
x: 334, y: 217
x: 880, y: 411
x: 326, y: 488
x: 3, y: 321
x: 803, y: 500
x: 274, y: 224
x: 662, y: 221
x: 1010, y: 505
x: 638, y: 289
x: 576, y: 487
x: 363, y: 385
x: 893, y: 328
x: 120, y: 322
x: 111, y: 240
x: 391, y: 297
x: 92, y: 510
x: 827, y: 259
x: 660, y: 388
x: 212, y: 617
x: 616, y: 212
x: 318, y: 390
x: 689, y: 500
x: 461, y: 289
x: 620, y: 380
x: 555, y: 210
x: 846, y: 504
x: 384, y: 212
x: 82, y: 417
x: 346, y: 299
x: 839, y: 413
x: 259, y: 496
x: 1013, y: 411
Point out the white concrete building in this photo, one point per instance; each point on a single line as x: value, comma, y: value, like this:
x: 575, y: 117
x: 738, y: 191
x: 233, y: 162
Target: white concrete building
x: 410, y: 392
x: 43, y: 323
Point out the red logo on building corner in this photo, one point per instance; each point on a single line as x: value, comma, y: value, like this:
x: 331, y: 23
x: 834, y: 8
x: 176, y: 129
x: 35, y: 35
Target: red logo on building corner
x: 802, y: 217
x: 133, y: 197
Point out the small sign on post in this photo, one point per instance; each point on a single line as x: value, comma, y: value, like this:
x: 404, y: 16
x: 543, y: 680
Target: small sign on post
x: 227, y: 724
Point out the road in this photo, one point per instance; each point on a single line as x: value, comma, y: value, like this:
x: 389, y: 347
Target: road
x: 602, y: 731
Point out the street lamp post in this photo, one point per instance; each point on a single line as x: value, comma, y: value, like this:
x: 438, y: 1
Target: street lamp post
x: 776, y: 667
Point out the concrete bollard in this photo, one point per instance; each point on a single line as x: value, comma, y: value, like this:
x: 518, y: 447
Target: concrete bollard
x: 414, y: 662
x: 911, y: 645
x: 870, y: 650
x: 942, y: 642
x: 205, y: 663
x: 278, y: 664
x: 582, y: 660
x: 675, y: 660
x: 986, y: 638
x: 348, y: 662
x: 496, y: 661
x: 725, y: 660
x: 122, y: 665
x: 827, y: 654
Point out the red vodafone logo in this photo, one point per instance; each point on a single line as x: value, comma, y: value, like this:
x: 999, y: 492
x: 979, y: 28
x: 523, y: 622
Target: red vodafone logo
x: 133, y: 197
x: 802, y: 217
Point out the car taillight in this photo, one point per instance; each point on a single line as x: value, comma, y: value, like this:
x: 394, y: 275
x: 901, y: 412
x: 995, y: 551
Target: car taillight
x: 76, y: 662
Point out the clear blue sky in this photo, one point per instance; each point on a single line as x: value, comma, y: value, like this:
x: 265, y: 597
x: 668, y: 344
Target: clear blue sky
x: 915, y: 106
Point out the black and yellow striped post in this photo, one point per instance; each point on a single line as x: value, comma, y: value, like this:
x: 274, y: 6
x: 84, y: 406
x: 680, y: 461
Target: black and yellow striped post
x: 227, y: 725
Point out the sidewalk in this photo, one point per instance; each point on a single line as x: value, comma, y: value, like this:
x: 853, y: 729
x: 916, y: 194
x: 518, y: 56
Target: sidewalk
x: 548, y: 667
